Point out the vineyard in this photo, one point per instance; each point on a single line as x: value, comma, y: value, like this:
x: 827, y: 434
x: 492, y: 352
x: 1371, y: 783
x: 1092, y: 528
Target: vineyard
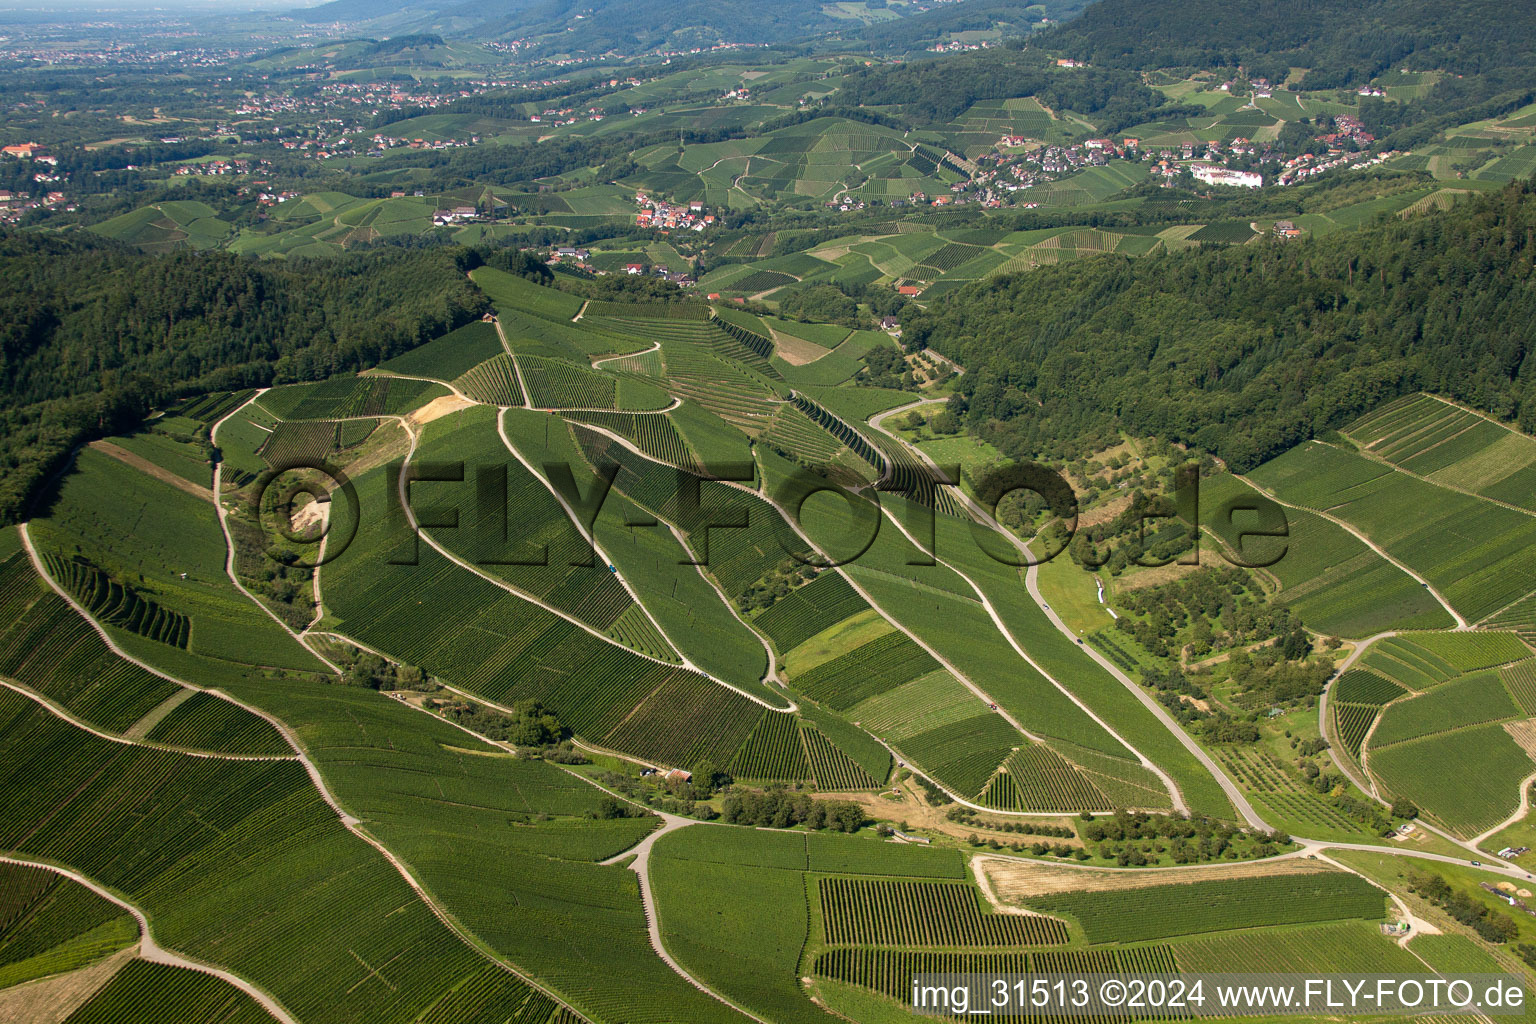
x: 1408, y: 516
x: 1036, y: 778
x: 879, y: 665
x: 1358, y: 686
x: 50, y: 925
x: 309, y: 442
x: 1468, y: 700
x: 890, y: 971
x: 210, y: 408
x: 1346, y: 947
x: 206, y: 722
x: 145, y: 822
x: 343, y: 397
x: 831, y: 769
x: 1520, y: 680
x: 1465, y: 802
x: 152, y: 993
x: 825, y: 601
x: 493, y: 382
x: 1284, y: 793
x: 718, y: 721
x: 1353, y: 722
x: 52, y: 650
x: 653, y: 434
x: 555, y: 384
x: 117, y: 603
x: 449, y: 356
x: 1451, y: 446
x: 964, y: 754
x: 773, y: 751
x: 1134, y: 915
x: 866, y: 912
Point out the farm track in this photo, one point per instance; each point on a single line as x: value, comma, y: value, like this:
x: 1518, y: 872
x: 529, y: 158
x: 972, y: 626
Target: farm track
x: 587, y: 535
x: 229, y: 540
x: 628, y: 355
x: 1367, y: 785
x: 943, y: 662
x: 877, y: 422
x: 148, y: 468
x: 517, y: 367
x: 1461, y: 623
x: 352, y: 823
x: 153, y: 951
x: 132, y: 741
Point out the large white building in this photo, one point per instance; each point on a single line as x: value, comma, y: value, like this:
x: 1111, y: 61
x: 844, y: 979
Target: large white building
x: 1213, y: 175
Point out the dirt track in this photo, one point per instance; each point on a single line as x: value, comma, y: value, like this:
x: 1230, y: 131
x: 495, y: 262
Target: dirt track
x: 160, y: 473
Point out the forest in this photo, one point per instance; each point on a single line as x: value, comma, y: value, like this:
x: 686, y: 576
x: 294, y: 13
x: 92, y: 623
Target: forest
x: 1340, y: 42
x: 93, y: 335
x: 1245, y: 352
x: 937, y: 91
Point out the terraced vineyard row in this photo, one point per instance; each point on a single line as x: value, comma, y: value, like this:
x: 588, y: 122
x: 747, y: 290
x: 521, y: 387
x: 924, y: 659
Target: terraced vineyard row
x: 964, y: 754
x: 794, y: 433
x: 206, y: 722
x: 267, y: 861
x: 868, y: 912
x: 52, y: 650
x: 890, y: 971
x: 831, y: 769
x: 553, y: 384
x: 119, y: 604
x: 493, y: 382
x: 719, y: 386
x: 654, y: 434
x: 1520, y: 680
x: 211, y: 408
x: 1037, y: 778
x: 773, y: 751
x: 1354, y: 721
x: 50, y: 925
x: 308, y: 442
x: 143, y: 992
x: 807, y: 610
x: 342, y: 397
x: 1359, y: 686
x: 879, y: 665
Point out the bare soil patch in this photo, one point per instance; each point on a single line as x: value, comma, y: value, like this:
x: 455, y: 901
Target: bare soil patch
x: 1015, y: 879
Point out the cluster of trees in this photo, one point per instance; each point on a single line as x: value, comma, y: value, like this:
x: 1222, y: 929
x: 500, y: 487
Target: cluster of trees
x: 1039, y: 848
x: 821, y: 303
x: 885, y: 367
x: 1247, y: 351
x: 778, y: 808
x: 1210, y: 609
x: 1135, y: 838
x: 1146, y: 532
x: 1464, y: 907
x: 530, y: 724
x: 376, y: 673
x: 968, y: 816
x: 938, y: 91
x: 774, y: 584
x: 1281, y: 673
x: 94, y: 335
